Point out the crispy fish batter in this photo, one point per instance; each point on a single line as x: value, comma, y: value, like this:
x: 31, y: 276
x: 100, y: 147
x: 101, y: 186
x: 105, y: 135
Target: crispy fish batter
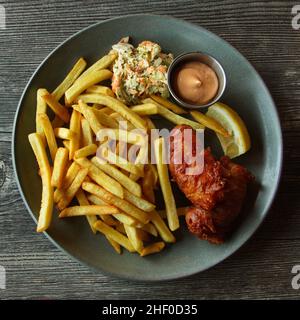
x: 217, y: 192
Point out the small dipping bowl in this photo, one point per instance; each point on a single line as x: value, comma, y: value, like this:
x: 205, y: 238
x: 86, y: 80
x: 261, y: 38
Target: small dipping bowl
x: 210, y: 61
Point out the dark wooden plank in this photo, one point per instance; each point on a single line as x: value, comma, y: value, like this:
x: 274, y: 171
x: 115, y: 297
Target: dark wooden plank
x: 261, y: 269
x: 261, y: 30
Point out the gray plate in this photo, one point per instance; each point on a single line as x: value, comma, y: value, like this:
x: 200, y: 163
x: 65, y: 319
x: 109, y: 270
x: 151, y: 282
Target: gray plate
x: 245, y: 91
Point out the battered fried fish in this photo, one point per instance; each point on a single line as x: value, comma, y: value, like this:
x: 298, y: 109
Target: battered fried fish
x: 217, y: 193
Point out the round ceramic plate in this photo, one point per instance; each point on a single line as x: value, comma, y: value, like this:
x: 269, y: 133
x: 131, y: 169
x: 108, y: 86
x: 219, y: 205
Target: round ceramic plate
x: 245, y: 92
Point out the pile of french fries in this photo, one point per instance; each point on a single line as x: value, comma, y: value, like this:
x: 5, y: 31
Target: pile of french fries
x: 117, y: 199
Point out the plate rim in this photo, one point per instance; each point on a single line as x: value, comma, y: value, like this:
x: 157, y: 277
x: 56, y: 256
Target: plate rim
x: 133, y: 277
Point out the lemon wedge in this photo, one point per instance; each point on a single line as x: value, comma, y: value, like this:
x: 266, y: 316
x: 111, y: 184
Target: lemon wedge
x: 239, y: 140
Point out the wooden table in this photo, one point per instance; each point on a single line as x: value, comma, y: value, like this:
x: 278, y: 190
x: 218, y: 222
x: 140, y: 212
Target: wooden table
x: 260, y: 30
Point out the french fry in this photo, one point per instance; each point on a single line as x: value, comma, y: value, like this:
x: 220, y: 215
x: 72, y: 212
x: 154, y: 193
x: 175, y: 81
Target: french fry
x: 173, y: 117
x: 154, y: 173
x: 100, y: 89
x: 85, y: 81
x: 161, y: 227
x: 41, y: 107
x: 106, y: 110
x: 128, y: 220
x: 117, y: 202
x: 125, y: 172
x: 120, y: 162
x: 75, y: 126
x: 88, y: 210
x: 66, y: 144
x: 181, y: 211
x: 57, y: 108
x: 114, y: 235
x: 167, y: 104
x: 48, y: 131
x: 70, y: 192
x: 149, y: 227
x: 86, y: 133
x: 162, y: 169
x: 86, y: 151
x: 59, y: 167
x: 145, y: 109
x: 109, y: 220
x: 114, y: 244
x: 97, y: 106
x: 105, y: 119
x: 134, y: 237
x: 126, y: 136
x: 176, y: 119
x: 45, y: 213
x: 152, y: 248
x: 68, y: 179
x: 96, y: 200
x: 64, y: 133
x: 120, y: 228
x: 101, y: 178
x: 135, y: 177
x: 138, y: 202
x: 141, y: 158
x: 125, y: 181
x: 106, y: 218
x: 89, y: 115
x: 122, y: 217
x: 210, y: 123
x: 115, y: 105
x: 57, y: 122
x: 39, y: 171
x: 121, y: 149
x: 123, y: 123
x: 102, y: 63
x: 150, y: 124
x: 88, y: 179
x: 83, y: 201
x: 107, y: 190
x: 148, y: 185
x: 143, y: 235
x: 74, y: 73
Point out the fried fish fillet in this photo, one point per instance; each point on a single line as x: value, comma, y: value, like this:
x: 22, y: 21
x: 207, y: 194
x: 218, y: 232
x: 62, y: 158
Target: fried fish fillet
x: 217, y: 191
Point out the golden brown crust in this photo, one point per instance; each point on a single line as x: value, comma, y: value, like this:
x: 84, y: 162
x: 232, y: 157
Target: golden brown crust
x: 217, y: 193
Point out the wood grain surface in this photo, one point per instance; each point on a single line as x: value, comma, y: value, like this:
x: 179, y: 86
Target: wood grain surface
x: 260, y: 30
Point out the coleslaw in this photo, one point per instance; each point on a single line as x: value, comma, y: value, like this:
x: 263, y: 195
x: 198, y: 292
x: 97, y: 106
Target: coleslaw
x: 139, y: 72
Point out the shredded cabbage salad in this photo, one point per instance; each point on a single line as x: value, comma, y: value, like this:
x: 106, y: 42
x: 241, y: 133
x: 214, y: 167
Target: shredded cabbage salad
x: 139, y: 72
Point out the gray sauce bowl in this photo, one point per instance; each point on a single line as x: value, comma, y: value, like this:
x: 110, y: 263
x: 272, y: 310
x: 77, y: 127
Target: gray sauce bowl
x: 206, y: 59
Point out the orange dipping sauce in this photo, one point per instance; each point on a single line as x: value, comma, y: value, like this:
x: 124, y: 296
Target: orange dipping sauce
x: 195, y: 82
